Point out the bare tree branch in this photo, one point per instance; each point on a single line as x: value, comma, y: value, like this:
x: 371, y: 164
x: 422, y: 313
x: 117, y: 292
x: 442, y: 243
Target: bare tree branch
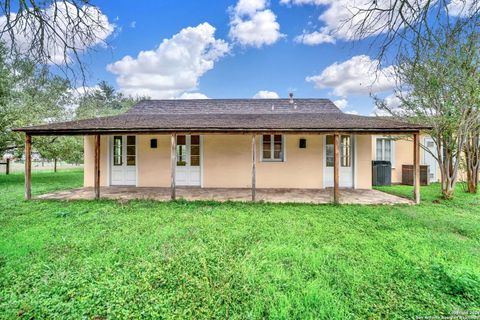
x: 398, y: 25
x: 54, y: 32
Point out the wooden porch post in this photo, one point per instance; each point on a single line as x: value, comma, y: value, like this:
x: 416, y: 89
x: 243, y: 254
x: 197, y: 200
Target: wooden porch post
x: 336, y: 168
x: 96, y: 186
x: 173, y: 163
x: 416, y: 165
x: 28, y: 166
x: 254, y: 161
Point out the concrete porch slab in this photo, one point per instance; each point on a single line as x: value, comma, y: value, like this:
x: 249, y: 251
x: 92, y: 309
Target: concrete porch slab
x: 318, y: 196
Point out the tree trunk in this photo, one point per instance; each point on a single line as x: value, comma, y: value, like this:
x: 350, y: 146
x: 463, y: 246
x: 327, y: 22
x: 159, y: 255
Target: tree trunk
x: 472, y: 162
x: 449, y: 163
x: 472, y: 186
x: 449, y: 188
x: 55, y: 165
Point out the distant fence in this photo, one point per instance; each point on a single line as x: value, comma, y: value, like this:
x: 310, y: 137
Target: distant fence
x: 18, y: 166
x: 6, y: 163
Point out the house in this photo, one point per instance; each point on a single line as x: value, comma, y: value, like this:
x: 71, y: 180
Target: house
x: 232, y: 143
x: 398, y: 150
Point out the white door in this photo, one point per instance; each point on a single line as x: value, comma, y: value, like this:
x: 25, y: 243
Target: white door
x: 346, y: 162
x: 123, y: 162
x: 188, y: 169
x: 429, y: 160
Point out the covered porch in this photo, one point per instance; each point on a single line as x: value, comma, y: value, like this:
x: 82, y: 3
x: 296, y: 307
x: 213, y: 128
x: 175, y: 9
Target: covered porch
x: 171, y: 135
x: 336, y: 194
x: 273, y: 195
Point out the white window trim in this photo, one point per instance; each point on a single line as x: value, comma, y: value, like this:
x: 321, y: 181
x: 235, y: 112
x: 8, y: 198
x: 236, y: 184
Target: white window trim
x: 284, y: 150
x: 393, y: 155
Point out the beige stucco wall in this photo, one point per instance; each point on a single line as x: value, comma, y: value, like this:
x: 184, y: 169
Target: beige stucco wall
x: 227, y: 162
x: 153, y: 165
x: 303, y: 168
x: 403, y: 155
x: 363, y: 168
x: 89, y: 161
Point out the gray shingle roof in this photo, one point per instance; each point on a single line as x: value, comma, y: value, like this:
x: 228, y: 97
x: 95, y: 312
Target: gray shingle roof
x: 234, y: 106
x: 251, y: 115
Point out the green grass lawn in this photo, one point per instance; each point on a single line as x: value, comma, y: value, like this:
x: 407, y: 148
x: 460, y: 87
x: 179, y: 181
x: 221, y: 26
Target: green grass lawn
x: 145, y: 259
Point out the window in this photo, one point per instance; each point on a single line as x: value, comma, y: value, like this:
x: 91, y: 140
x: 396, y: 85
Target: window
x: 195, y: 151
x: 345, y: 151
x: 131, y: 146
x: 384, y: 150
x: 181, y: 151
x: 272, y: 147
x: 117, y: 151
x: 329, y: 150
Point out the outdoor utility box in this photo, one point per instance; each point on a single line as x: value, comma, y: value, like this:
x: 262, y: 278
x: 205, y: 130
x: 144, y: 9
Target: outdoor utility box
x: 381, y: 173
x: 407, y: 175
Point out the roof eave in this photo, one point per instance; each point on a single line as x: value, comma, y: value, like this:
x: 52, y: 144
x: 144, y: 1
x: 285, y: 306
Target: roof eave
x: 40, y: 132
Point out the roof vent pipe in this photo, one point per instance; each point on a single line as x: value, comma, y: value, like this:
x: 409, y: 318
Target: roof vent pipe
x: 291, y: 97
x: 291, y: 101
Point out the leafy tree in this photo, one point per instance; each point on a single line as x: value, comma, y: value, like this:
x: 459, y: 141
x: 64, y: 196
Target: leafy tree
x: 30, y: 96
x: 102, y: 101
x: 6, y: 86
x: 441, y: 88
x: 472, y: 158
x: 66, y: 148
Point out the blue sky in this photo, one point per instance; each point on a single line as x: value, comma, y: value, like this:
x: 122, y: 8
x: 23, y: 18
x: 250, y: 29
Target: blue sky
x: 232, y: 48
x: 278, y: 66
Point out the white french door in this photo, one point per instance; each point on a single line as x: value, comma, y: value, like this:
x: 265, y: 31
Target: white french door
x: 346, y: 161
x: 123, y: 160
x: 188, y: 169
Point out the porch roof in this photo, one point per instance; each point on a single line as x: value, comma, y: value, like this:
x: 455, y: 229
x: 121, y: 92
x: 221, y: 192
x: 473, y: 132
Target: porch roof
x: 228, y: 115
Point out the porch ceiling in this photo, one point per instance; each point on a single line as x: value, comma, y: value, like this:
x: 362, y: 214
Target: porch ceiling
x: 317, y: 196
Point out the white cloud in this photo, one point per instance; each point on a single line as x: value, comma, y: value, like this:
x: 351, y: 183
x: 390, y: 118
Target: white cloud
x: 263, y: 94
x: 174, y: 67
x: 94, y: 30
x: 341, y: 18
x: 463, y: 8
x: 251, y: 24
x: 193, y: 95
x: 249, y: 7
x: 316, y: 37
x: 133, y: 24
x: 359, y: 75
x: 392, y: 102
x: 303, y: 2
x: 354, y: 112
x: 81, y: 91
x: 341, y: 103
x: 77, y: 94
